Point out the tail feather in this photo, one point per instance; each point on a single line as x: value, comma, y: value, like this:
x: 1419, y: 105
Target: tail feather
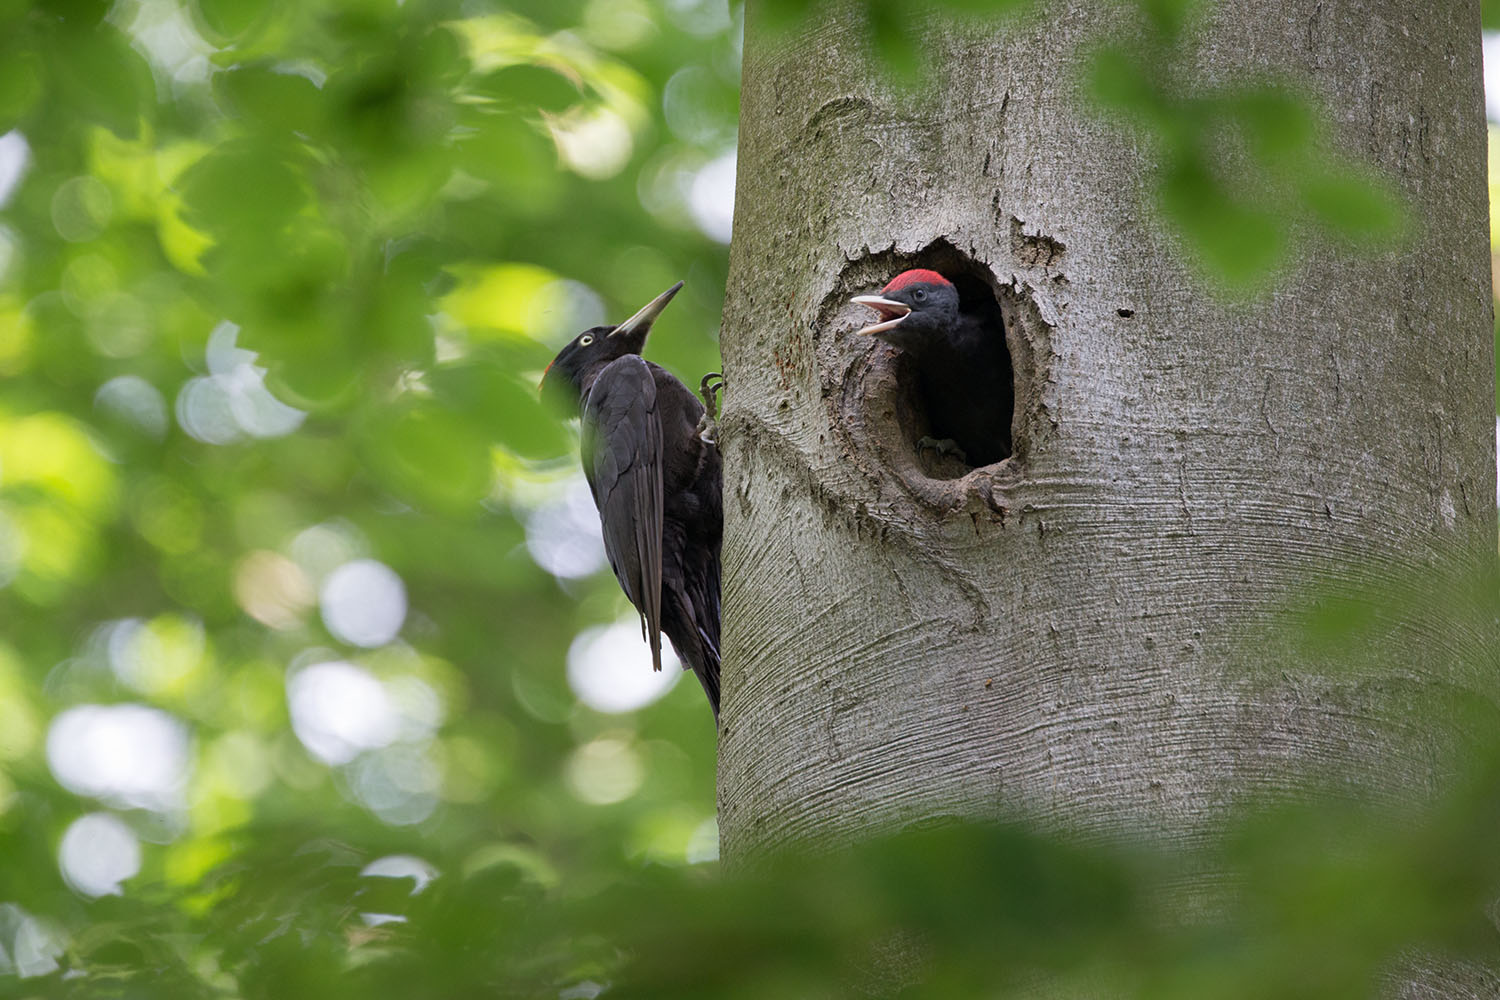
x: 697, y: 647
x: 690, y: 618
x: 708, y: 671
x: 708, y: 676
x: 700, y: 654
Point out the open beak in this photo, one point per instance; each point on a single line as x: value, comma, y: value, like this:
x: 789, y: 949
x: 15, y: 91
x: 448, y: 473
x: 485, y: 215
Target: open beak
x: 641, y: 321
x: 891, y: 313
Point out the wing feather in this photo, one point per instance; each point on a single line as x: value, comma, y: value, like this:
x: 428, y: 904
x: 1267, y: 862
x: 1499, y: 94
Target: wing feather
x: 622, y: 460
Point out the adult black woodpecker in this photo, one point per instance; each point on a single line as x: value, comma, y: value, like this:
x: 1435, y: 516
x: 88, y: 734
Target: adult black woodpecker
x: 960, y: 360
x: 655, y: 473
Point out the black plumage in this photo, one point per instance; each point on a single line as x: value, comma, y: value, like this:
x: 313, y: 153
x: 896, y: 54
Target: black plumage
x: 656, y: 478
x: 962, y: 367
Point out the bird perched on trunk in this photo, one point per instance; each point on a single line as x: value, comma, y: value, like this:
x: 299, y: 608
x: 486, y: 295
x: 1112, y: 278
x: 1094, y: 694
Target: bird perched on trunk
x: 654, y: 469
x: 961, y: 362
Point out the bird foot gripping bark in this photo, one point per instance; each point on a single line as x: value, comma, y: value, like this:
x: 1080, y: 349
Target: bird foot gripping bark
x: 709, y: 389
x: 945, y: 446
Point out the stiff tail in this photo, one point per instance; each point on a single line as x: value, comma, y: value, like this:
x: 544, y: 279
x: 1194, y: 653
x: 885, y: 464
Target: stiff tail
x: 690, y: 618
x: 707, y: 670
x: 700, y: 654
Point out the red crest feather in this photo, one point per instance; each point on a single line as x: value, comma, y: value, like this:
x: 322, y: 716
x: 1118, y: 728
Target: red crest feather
x: 916, y: 277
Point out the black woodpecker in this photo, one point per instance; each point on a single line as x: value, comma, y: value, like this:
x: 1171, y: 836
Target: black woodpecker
x: 960, y: 359
x: 654, y: 469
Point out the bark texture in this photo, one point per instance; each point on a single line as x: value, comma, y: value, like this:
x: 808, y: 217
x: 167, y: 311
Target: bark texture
x: 1086, y: 633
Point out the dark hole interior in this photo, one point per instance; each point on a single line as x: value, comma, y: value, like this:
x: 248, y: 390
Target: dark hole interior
x: 967, y: 399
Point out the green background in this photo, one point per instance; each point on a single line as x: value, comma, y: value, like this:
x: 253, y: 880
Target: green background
x: 403, y: 210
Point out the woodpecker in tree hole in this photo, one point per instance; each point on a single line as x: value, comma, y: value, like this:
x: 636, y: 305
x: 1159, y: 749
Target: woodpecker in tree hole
x: 652, y: 462
x: 957, y: 349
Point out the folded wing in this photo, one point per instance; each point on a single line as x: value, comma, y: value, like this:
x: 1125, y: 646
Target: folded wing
x: 622, y: 460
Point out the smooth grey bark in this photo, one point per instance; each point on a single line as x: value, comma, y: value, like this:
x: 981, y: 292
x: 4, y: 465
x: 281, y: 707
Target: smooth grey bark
x: 1086, y: 634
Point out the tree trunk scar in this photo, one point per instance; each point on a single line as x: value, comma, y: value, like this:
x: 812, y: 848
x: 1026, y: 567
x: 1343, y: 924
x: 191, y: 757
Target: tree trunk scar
x: 837, y: 114
x: 1033, y: 249
x: 1314, y: 30
x: 1187, y: 511
x: 1434, y: 463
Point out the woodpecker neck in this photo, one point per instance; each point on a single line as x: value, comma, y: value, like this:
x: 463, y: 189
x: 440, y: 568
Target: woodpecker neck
x: 588, y: 372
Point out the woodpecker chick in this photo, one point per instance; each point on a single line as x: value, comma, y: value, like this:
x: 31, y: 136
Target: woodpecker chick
x: 959, y: 356
x: 656, y: 480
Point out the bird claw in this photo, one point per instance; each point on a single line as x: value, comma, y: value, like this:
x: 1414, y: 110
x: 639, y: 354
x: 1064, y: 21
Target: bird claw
x: 708, y: 430
x: 943, y: 446
x: 709, y: 389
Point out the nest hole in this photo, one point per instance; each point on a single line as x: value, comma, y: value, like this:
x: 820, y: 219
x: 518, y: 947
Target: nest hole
x: 952, y: 419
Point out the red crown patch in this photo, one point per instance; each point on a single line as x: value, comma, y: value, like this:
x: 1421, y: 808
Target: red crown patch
x: 916, y: 277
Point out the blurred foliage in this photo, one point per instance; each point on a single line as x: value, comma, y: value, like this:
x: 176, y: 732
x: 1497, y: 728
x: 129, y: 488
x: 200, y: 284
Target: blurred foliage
x: 388, y: 216
x: 896, y: 28
x: 1314, y: 901
x: 1242, y: 166
x: 276, y: 283
x: 1319, y: 900
x: 1493, y: 172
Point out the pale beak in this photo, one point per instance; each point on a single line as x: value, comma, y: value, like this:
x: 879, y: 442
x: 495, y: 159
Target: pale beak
x: 891, y: 313
x: 642, y: 320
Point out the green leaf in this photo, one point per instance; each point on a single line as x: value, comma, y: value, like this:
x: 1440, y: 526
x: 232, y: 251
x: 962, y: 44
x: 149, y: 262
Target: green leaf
x: 271, y: 99
x: 74, y: 13
x: 1168, y: 17
x: 995, y: 8
x: 787, y: 15
x: 519, y: 164
x: 1118, y: 81
x: 1496, y: 324
x: 102, y: 79
x: 228, y: 19
x: 12, y: 11
x: 1351, y: 203
x: 242, y: 189
x: 1278, y: 124
x: 499, y: 403
x: 1240, y: 243
x: 437, y: 58
x: 21, y: 74
x: 406, y: 182
x: 322, y: 376
x: 396, y: 316
x: 898, y: 50
x: 1334, y: 621
x: 530, y: 88
x: 430, y: 456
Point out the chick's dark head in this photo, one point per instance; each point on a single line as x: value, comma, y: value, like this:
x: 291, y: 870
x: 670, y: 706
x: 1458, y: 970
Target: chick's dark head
x: 915, y: 307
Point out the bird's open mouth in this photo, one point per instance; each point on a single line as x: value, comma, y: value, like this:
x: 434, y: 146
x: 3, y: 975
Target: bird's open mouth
x: 891, y: 313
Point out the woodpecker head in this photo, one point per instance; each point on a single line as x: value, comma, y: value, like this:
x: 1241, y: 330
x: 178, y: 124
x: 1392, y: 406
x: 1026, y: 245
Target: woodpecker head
x: 914, y: 308
x: 599, y: 345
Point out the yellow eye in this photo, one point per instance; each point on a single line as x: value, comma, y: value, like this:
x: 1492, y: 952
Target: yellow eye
x: 586, y: 340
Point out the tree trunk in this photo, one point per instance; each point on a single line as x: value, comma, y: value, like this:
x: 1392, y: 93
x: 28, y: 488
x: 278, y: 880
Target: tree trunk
x: 1086, y: 634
